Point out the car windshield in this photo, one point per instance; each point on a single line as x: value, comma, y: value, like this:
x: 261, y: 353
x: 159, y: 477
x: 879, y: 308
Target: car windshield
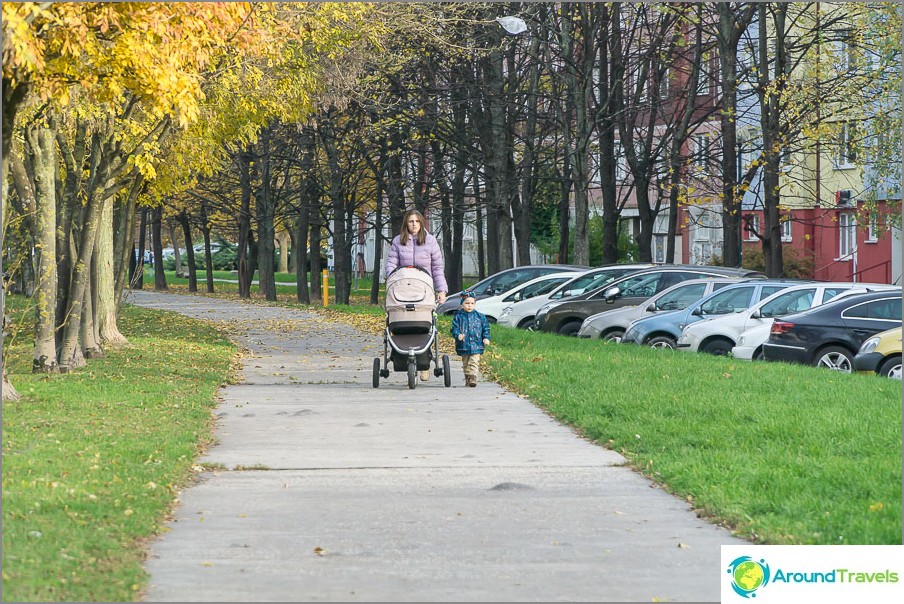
x: 589, y: 282
x: 788, y: 303
x: 728, y: 301
x: 640, y: 286
x: 681, y: 297
x: 535, y: 289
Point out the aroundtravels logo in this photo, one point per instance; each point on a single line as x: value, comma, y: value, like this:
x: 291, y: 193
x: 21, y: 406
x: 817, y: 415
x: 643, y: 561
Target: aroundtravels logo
x: 748, y: 575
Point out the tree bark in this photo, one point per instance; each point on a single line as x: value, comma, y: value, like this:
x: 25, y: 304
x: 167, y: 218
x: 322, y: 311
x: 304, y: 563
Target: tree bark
x: 208, y: 260
x: 245, y: 274
x: 124, y: 241
x: 157, y: 243
x: 189, y: 251
x: 104, y: 280
x: 266, y: 234
x: 44, y: 152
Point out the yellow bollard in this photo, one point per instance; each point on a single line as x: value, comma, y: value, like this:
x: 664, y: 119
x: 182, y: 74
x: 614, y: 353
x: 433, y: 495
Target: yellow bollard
x: 326, y: 288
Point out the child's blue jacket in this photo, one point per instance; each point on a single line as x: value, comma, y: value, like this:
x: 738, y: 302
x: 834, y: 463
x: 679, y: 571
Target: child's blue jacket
x: 476, y: 328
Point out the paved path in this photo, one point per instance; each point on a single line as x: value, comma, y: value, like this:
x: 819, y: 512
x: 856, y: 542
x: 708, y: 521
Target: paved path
x: 332, y: 490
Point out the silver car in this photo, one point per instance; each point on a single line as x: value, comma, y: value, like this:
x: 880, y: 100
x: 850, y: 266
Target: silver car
x: 610, y: 325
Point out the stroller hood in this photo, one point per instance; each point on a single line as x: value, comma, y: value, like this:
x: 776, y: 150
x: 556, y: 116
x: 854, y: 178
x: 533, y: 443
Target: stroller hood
x: 407, y: 286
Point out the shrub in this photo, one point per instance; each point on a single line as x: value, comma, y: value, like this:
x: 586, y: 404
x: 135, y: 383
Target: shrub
x: 797, y: 264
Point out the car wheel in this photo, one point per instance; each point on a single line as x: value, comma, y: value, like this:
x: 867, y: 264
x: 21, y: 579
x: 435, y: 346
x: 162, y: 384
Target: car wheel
x: 891, y: 368
x: 662, y: 342
x: 570, y: 329
x: 719, y: 347
x: 835, y: 358
x: 526, y: 323
x: 613, y: 336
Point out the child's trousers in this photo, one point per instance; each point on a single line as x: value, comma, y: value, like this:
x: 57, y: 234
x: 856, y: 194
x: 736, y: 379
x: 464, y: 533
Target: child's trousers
x: 471, y: 365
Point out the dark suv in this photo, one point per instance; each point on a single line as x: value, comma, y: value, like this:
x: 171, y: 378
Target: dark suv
x: 501, y: 282
x: 565, y: 317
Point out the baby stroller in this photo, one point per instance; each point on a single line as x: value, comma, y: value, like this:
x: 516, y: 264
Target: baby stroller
x: 410, y: 340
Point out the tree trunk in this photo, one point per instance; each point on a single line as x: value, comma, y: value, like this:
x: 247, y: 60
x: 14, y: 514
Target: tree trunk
x: 189, y: 251
x: 157, y: 243
x: 378, y: 245
x: 177, y: 256
x: 90, y: 336
x: 138, y: 275
x: 244, y: 219
x: 44, y: 358
x: 285, y: 241
x: 70, y: 351
x: 208, y: 259
x: 104, y: 281
x: 266, y: 234
x: 316, y: 265
x: 124, y: 241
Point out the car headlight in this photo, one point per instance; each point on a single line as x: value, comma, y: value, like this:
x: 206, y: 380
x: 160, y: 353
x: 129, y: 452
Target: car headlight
x: 869, y: 346
x: 741, y: 340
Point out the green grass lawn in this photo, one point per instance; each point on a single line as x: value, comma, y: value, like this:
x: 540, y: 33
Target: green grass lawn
x: 93, y: 460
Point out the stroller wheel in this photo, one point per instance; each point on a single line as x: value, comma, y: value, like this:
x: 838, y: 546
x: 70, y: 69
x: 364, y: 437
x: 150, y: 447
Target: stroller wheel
x: 376, y: 373
x: 412, y: 375
x: 447, y: 372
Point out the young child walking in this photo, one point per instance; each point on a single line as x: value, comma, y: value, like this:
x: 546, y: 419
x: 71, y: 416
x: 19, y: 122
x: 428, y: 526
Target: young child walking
x: 471, y: 331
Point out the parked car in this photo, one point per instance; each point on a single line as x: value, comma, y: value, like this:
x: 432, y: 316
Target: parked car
x: 718, y: 335
x: 881, y: 354
x: 750, y: 342
x: 830, y: 335
x: 492, y: 306
x: 566, y: 316
x: 610, y: 325
x: 503, y: 281
x: 521, y: 314
x: 662, y: 330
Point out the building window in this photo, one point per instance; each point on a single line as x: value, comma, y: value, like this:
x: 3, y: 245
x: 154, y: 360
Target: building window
x: 844, y: 51
x: 659, y: 248
x: 786, y: 228
x: 701, y: 152
x: 847, y: 153
x: 664, y: 85
x: 872, y: 231
x: 847, y: 243
x: 751, y: 227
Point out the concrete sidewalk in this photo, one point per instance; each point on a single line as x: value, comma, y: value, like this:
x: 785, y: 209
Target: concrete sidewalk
x: 333, y: 490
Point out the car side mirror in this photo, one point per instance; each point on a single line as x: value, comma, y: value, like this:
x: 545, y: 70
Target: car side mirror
x: 518, y: 297
x: 697, y: 312
x: 612, y: 293
x: 756, y: 314
x: 651, y: 308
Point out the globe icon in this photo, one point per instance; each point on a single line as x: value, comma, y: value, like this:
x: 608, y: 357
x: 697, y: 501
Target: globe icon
x: 748, y: 575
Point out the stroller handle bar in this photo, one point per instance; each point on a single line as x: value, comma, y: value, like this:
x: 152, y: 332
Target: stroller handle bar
x: 420, y: 268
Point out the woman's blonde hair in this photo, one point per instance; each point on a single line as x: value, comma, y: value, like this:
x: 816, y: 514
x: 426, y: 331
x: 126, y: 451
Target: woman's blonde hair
x: 421, y: 234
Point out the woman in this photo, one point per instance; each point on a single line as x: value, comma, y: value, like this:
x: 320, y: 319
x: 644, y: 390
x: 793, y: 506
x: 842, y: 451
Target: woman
x: 414, y: 246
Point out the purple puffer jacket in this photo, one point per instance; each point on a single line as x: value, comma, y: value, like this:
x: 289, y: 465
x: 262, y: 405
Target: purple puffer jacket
x: 428, y: 256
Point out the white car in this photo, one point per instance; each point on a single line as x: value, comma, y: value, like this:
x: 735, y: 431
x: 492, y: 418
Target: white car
x: 492, y: 306
x: 521, y: 314
x: 719, y: 335
x: 610, y: 325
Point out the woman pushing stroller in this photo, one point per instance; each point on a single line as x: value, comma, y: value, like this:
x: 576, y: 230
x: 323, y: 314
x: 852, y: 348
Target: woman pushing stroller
x: 414, y: 246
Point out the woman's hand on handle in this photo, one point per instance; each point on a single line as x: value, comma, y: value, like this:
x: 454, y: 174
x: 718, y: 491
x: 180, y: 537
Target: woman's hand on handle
x: 442, y: 297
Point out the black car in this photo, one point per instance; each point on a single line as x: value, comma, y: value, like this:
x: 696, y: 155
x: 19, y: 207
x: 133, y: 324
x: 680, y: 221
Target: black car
x: 565, y: 316
x: 501, y: 282
x: 830, y: 335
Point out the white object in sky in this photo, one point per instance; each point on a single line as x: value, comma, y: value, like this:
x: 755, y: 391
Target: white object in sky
x: 513, y: 25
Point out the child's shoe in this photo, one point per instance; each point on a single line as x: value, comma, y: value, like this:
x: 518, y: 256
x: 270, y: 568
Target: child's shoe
x: 472, y: 382
x: 425, y: 375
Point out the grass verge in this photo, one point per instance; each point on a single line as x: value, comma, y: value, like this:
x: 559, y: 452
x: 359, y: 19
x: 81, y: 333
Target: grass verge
x: 93, y: 460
